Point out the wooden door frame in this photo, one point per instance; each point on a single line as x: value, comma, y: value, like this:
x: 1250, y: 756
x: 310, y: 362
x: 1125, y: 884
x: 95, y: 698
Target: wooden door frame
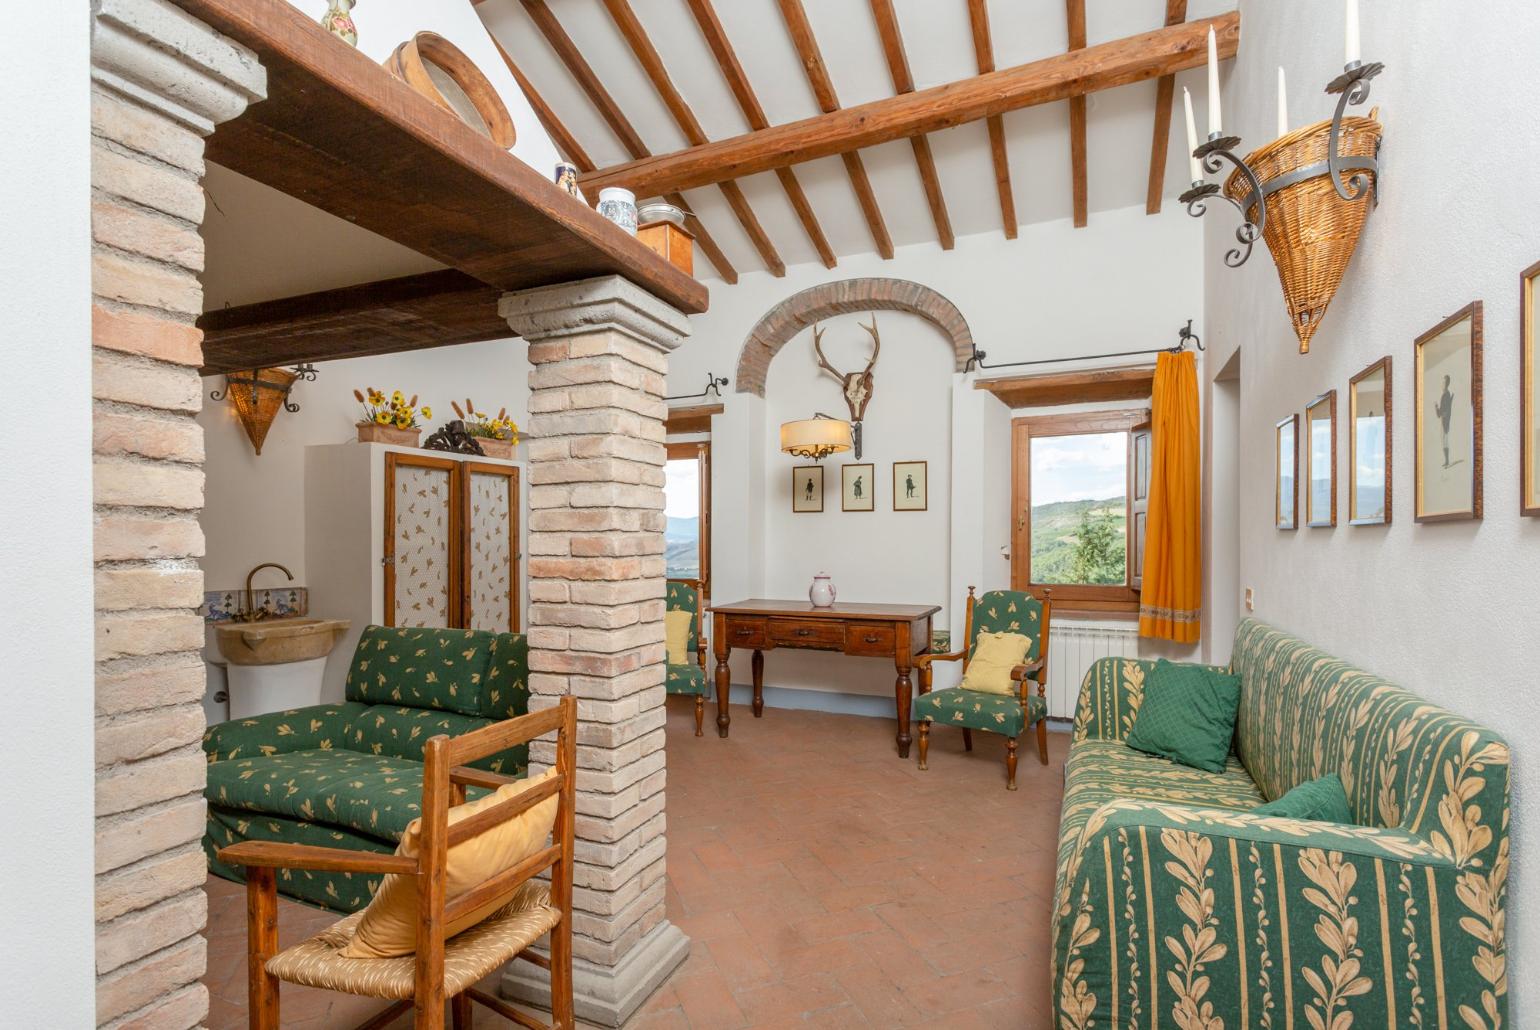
x: 701, y: 451
x: 511, y: 473
x: 393, y: 459
x: 1066, y: 597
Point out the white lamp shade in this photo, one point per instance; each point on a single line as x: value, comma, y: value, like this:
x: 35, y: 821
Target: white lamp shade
x: 815, y: 437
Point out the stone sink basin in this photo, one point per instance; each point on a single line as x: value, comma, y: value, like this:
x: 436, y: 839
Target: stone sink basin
x: 279, y: 641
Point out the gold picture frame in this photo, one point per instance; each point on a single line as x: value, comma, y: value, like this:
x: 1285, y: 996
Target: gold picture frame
x: 1286, y: 473
x: 1369, y: 445
x: 1320, y: 452
x: 1448, y: 423
x: 1529, y: 395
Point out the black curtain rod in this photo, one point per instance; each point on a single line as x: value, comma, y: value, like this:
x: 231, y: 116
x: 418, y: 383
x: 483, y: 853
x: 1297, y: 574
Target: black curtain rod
x: 1184, y: 336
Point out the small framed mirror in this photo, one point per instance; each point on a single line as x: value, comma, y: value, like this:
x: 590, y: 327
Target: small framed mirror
x: 1448, y: 403
x: 1321, y: 461
x: 1369, y: 446
x: 1529, y: 397
x: 1285, y: 495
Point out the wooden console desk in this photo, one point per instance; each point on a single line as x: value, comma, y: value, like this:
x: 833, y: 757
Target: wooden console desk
x: 897, y: 631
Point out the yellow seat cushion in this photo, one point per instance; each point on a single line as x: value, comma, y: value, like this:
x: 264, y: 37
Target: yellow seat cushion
x: 989, y: 670
x: 388, y: 926
x: 676, y: 636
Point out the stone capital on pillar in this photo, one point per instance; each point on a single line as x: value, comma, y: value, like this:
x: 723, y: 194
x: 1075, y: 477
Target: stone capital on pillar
x: 591, y: 306
x: 599, y: 351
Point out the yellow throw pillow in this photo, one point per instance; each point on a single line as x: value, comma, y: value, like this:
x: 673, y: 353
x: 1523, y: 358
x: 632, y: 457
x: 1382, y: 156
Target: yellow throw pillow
x: 989, y: 670
x: 676, y: 636
x: 389, y: 926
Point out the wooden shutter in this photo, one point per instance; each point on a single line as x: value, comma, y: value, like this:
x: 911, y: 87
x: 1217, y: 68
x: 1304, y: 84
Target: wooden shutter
x: 1139, y: 445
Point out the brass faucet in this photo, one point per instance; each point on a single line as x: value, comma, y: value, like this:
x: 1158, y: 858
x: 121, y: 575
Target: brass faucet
x: 250, y: 613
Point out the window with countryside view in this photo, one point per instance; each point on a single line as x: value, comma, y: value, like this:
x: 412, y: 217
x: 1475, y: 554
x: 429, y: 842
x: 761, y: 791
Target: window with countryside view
x: 686, y: 534
x: 1080, y: 509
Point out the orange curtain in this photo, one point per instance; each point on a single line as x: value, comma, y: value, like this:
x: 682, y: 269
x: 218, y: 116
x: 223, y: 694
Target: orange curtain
x: 1171, y: 603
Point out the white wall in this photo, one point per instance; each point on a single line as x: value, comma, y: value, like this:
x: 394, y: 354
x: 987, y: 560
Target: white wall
x: 46, y: 910
x: 1128, y: 282
x: 1448, y: 610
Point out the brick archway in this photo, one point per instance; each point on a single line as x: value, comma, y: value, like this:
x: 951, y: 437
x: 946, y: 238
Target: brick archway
x: 800, y: 310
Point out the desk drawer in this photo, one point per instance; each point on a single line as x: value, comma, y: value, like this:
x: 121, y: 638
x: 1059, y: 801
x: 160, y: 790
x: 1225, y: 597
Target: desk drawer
x: 869, y: 638
x: 815, y: 633
x: 746, y: 631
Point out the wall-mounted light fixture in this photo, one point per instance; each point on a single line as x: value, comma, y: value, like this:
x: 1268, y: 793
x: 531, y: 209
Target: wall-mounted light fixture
x: 816, y: 437
x: 1300, y: 193
x: 257, y: 394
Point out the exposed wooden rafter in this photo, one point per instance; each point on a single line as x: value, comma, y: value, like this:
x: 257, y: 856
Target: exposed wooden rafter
x: 1137, y: 58
x: 903, y: 82
x: 610, y: 111
x: 652, y: 63
x: 1124, y: 383
x: 828, y: 101
x: 754, y: 114
x: 984, y: 52
x: 1160, y: 144
x: 1075, y: 14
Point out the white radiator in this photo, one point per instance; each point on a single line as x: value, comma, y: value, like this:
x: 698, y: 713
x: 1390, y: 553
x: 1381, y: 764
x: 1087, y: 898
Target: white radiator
x: 1072, y: 647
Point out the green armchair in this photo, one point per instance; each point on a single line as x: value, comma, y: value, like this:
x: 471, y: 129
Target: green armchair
x: 998, y: 611
x: 688, y: 677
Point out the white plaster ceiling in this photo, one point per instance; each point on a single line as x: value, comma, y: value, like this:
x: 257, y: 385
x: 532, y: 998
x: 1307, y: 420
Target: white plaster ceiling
x: 939, y: 45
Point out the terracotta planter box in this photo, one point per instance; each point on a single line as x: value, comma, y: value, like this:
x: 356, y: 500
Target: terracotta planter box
x: 373, y: 432
x: 496, y: 448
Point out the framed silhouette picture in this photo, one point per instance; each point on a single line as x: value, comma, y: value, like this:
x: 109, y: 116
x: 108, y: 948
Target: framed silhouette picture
x: 807, y: 488
x: 1448, y: 428
x: 858, y: 488
x: 910, y: 484
x: 1369, y: 465
x: 1285, y: 492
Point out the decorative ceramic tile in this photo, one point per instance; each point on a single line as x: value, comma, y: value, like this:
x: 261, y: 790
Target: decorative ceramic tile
x: 280, y: 603
x: 491, y: 553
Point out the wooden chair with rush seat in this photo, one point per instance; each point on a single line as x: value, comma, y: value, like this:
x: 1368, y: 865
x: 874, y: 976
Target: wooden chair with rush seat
x: 1010, y: 711
x: 685, y: 669
x: 445, y: 961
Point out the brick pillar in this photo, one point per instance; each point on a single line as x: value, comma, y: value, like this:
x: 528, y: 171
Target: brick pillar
x: 161, y: 81
x: 599, y: 350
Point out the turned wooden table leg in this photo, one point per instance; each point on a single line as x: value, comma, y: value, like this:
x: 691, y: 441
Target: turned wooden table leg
x: 724, y: 674
x: 903, y: 687
x: 759, y: 683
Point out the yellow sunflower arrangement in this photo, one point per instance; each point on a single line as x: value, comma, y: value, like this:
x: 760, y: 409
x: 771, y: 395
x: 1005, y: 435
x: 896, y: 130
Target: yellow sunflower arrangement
x: 477, y: 423
x: 394, y: 410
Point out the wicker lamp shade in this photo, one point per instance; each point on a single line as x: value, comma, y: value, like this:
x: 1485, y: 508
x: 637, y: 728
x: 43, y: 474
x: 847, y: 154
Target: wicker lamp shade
x: 256, y: 397
x: 1311, y: 230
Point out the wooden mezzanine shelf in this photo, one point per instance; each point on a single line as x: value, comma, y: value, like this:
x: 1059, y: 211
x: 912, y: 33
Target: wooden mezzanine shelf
x: 339, y: 132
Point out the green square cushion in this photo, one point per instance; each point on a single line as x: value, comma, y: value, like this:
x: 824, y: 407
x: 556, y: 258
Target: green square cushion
x: 420, y: 667
x: 1320, y: 800
x: 1187, y: 715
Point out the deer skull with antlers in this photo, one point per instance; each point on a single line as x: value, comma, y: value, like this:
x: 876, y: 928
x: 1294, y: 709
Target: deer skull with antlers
x: 857, y: 386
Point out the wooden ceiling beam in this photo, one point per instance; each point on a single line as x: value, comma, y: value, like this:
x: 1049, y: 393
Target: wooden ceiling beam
x: 903, y: 82
x: 984, y: 52
x: 610, y: 111
x: 1160, y: 144
x: 652, y: 64
x: 727, y: 60
x: 1124, y: 383
x: 828, y: 101
x: 1075, y: 14
x: 565, y: 142
x: 1134, y: 59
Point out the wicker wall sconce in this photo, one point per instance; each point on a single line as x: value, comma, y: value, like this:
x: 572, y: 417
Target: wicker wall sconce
x: 257, y: 394
x: 1303, y: 194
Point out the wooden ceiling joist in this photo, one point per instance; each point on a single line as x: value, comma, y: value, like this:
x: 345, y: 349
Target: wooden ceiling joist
x: 1075, y: 15
x: 652, y: 63
x: 694, y: 418
x: 828, y: 101
x: 1137, y: 58
x: 1124, y: 383
x: 1160, y: 143
x: 339, y: 132
x: 414, y: 312
x: 984, y: 51
x: 610, y: 111
x: 903, y: 82
x: 754, y: 114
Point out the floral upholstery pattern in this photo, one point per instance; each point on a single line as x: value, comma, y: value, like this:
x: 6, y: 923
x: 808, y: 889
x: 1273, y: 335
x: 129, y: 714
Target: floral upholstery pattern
x: 1008, y: 611
x: 350, y: 775
x: 977, y: 710
x: 1174, y: 904
x: 689, y: 677
x: 684, y: 679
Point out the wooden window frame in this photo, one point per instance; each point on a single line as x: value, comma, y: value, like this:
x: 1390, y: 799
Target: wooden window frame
x: 701, y: 451
x: 1121, y: 600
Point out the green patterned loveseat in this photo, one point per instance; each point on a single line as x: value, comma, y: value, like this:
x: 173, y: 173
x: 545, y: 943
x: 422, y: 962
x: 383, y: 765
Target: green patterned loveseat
x: 1175, y: 907
x: 350, y: 775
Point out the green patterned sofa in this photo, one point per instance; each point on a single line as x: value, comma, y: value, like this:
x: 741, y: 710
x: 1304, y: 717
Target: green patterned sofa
x: 350, y: 775
x: 1175, y: 907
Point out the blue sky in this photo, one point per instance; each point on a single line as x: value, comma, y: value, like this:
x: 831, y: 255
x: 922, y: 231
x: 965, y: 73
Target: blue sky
x: 1079, y: 468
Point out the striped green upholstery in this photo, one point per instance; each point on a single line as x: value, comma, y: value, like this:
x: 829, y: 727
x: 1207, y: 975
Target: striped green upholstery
x: 1177, y: 906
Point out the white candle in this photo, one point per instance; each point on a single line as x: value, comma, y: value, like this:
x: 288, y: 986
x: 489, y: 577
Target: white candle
x: 1213, y: 84
x: 1192, y: 137
x: 1283, y: 105
x: 1354, y: 52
